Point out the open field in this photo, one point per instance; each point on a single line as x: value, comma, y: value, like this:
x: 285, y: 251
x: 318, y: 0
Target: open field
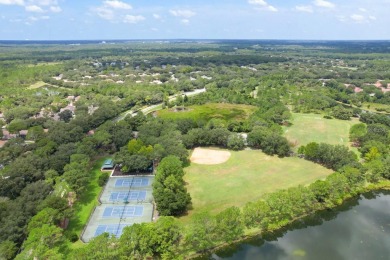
x: 246, y: 176
x: 208, y: 111
x: 36, y: 85
x: 308, y: 128
x: 375, y: 107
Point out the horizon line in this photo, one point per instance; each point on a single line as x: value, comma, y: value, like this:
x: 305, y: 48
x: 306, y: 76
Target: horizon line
x: 190, y: 39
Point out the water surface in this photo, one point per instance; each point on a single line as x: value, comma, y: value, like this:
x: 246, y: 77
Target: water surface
x: 359, y: 229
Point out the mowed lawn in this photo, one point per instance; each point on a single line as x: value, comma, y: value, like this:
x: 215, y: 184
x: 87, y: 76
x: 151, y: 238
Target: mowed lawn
x: 308, y: 128
x: 246, y: 176
x: 84, y: 206
x: 208, y: 111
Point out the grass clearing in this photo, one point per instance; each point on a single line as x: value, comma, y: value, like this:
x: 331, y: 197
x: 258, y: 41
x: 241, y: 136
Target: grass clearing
x: 208, y: 111
x: 39, y: 84
x: 246, y: 176
x: 308, y: 128
x: 376, y: 107
x: 84, y: 205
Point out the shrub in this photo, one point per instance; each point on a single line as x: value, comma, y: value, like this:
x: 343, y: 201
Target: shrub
x: 103, y: 179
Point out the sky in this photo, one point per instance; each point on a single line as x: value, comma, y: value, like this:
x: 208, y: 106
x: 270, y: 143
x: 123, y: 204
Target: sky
x: 196, y: 19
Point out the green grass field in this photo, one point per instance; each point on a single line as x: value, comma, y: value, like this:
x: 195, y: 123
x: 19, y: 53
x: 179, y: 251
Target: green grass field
x: 375, y: 107
x: 246, y: 176
x: 208, y: 111
x: 36, y: 85
x: 308, y: 128
x: 84, y: 205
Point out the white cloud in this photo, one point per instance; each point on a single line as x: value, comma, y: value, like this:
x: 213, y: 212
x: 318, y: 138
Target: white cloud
x: 323, y: 3
x: 34, y: 9
x: 258, y: 2
x: 105, y: 13
x: 15, y: 20
x: 358, y: 18
x: 11, y: 2
x: 342, y: 18
x: 55, y: 9
x: 35, y: 6
x: 182, y: 13
x: 43, y: 2
x: 272, y: 8
x: 362, y: 10
x: 133, y: 18
x: 37, y: 18
x: 157, y: 16
x: 117, y: 12
x: 185, y: 21
x: 115, y: 4
x: 263, y: 4
x: 304, y: 8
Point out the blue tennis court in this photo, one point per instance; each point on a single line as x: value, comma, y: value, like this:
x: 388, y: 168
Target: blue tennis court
x: 127, y: 196
x: 134, y: 182
x: 115, y: 229
x: 124, y: 211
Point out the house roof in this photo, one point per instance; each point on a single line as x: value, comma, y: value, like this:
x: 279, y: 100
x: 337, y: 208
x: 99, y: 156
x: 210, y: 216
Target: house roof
x: 23, y: 132
x: 108, y: 162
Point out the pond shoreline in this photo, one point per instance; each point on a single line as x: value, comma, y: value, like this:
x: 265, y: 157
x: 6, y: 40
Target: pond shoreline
x: 377, y: 187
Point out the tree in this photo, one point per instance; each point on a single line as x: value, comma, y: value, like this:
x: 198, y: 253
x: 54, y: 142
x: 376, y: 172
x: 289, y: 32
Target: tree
x: 41, y: 241
x: 103, y: 178
x: 229, y: 225
x: 138, y: 241
x: 103, y: 138
x: 35, y: 133
x: 338, y: 184
x: 254, y: 214
x: 168, y: 236
x: 218, y: 136
x: 121, y: 134
x: 171, y: 196
x: 201, y: 232
x: 357, y: 131
x: 310, y: 150
x: 136, y: 163
x: 104, y: 246
x: 372, y: 154
x: 17, y: 125
x: 76, y: 173
x: 331, y: 156
x: 342, y: 113
x: 46, y: 216
x: 236, y: 142
x: 134, y: 146
x: 321, y: 190
x: 170, y: 165
x: 169, y: 192
x: 51, y: 175
x: 8, y: 250
x: 66, y: 115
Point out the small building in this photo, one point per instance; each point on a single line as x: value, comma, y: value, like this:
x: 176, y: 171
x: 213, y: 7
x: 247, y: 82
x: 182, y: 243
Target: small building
x: 23, y: 133
x: 108, y: 165
x: 7, y: 135
x: 2, y: 143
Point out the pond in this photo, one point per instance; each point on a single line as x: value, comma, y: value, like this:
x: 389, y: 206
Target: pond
x: 359, y: 229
